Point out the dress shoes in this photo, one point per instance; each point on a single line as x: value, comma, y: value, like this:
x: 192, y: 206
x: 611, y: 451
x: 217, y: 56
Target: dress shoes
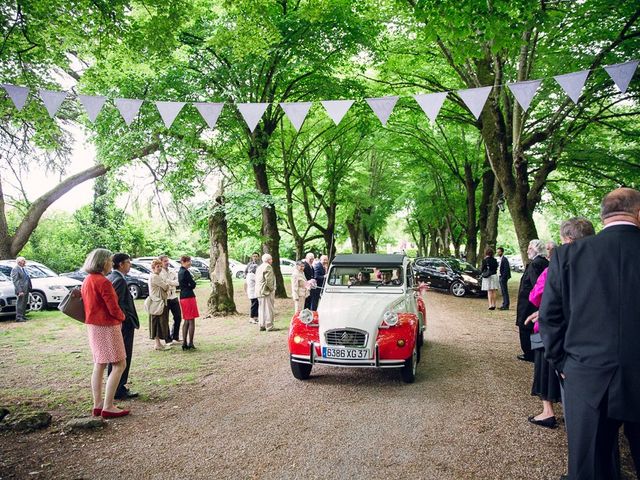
x: 96, y: 412
x: 550, y: 422
x: 492, y: 308
x: 121, y: 413
x: 503, y: 308
x: 524, y: 358
x: 20, y: 320
x: 126, y: 395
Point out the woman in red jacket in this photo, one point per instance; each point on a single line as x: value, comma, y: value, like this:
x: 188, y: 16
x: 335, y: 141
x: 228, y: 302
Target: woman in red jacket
x: 103, y: 320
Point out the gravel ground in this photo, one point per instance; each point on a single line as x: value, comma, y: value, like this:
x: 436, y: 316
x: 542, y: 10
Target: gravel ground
x: 247, y: 417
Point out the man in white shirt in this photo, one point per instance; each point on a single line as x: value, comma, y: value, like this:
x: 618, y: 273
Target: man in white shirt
x: 170, y: 276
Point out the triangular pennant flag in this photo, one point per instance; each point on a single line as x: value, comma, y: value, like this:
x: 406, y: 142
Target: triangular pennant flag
x: 252, y: 113
x: 129, y: 108
x: 382, y: 107
x: 431, y: 103
x: 475, y: 98
x: 92, y: 105
x: 337, y: 109
x: 524, y: 92
x: 18, y: 95
x: 622, y: 73
x: 210, y: 112
x: 169, y: 111
x: 52, y: 100
x: 572, y: 83
x: 296, y: 112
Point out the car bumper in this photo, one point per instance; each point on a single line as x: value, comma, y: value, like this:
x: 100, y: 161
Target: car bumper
x: 314, y: 358
x: 8, y: 306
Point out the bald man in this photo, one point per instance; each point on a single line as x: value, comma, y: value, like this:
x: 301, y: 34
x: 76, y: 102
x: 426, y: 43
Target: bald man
x: 590, y: 327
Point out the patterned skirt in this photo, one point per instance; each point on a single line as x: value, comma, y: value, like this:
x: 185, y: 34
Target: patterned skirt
x: 106, y: 343
x: 491, y: 283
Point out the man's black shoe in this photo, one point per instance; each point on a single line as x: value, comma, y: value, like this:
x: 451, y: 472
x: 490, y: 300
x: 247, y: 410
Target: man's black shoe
x: 524, y: 358
x: 128, y: 395
x: 503, y: 308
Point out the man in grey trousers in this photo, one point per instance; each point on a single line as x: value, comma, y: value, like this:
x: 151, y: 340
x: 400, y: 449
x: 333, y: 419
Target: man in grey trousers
x: 22, y: 284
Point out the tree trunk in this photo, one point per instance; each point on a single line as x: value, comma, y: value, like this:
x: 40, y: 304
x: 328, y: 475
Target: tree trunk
x: 354, y: 228
x: 488, y: 182
x: 221, y: 299
x: 493, y: 216
x: 472, y: 224
x: 433, y: 246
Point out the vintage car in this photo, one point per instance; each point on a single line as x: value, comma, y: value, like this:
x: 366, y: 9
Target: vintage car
x: 370, y: 315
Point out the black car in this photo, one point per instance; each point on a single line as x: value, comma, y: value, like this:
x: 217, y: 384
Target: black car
x: 456, y: 276
x: 137, y: 281
x: 200, y: 265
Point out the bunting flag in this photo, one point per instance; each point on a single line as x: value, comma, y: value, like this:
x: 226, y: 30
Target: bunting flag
x: 382, y: 107
x: 337, y: 109
x: 252, y: 113
x: 524, y: 92
x: 475, y: 98
x: 129, y: 108
x: 572, y: 83
x: 52, y: 100
x: 431, y: 103
x: 18, y: 95
x: 296, y: 112
x: 622, y: 73
x: 210, y: 112
x: 169, y: 111
x: 92, y: 105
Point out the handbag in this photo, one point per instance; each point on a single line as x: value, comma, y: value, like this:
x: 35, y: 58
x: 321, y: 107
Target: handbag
x: 72, y: 305
x: 486, y: 274
x: 536, y: 341
x: 153, y: 308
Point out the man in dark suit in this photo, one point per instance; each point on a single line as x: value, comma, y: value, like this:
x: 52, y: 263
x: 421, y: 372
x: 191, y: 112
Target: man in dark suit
x: 22, y: 286
x: 536, y: 252
x: 309, y: 274
x: 504, y: 274
x: 590, y: 326
x: 121, y: 266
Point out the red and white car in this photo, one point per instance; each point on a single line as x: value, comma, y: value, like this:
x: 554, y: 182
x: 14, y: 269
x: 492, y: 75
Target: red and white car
x: 370, y: 315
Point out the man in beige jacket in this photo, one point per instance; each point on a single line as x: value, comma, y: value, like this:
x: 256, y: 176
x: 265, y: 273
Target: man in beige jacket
x: 265, y: 291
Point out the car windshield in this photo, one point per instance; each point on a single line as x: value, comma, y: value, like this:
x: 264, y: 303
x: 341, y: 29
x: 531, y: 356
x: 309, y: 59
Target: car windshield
x: 37, y: 272
x: 461, y: 267
x: 4, y: 278
x: 373, y: 276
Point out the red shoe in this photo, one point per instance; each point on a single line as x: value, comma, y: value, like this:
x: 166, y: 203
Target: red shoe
x: 121, y: 413
x: 97, y: 412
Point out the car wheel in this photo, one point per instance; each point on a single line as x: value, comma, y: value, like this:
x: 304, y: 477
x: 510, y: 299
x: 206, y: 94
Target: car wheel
x: 408, y: 372
x: 135, y: 290
x: 37, y: 302
x: 301, y: 371
x: 457, y: 289
x: 240, y: 274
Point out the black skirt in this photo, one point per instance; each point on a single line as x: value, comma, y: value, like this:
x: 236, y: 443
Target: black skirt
x: 545, y: 380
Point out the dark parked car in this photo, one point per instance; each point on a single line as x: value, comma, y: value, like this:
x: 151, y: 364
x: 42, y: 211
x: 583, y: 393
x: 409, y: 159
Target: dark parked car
x: 136, y: 281
x: 200, y: 265
x: 456, y: 276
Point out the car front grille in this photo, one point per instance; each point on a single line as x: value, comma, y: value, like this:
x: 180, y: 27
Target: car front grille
x: 346, y: 338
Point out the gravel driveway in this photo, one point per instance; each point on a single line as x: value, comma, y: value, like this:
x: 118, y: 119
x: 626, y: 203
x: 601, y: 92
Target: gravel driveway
x: 247, y: 417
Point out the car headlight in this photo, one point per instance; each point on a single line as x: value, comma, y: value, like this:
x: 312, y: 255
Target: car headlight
x: 306, y: 316
x: 390, y: 318
x: 58, y: 287
x: 469, y: 279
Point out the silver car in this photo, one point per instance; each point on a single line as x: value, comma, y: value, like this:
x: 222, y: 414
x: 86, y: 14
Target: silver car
x: 7, y: 297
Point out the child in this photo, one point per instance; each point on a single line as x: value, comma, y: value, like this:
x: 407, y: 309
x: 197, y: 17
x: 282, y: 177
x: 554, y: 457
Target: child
x: 188, y: 302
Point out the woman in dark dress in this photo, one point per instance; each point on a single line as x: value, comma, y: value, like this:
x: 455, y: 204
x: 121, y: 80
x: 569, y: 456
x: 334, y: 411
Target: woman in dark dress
x: 188, y: 302
x: 490, y: 282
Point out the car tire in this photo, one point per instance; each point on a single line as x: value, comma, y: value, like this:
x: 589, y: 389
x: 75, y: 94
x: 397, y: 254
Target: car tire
x: 240, y: 274
x: 458, y: 289
x: 408, y: 372
x: 301, y: 371
x: 135, y: 290
x: 37, y: 302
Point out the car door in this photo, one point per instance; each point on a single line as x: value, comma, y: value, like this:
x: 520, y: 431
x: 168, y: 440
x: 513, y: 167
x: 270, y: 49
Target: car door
x: 440, y: 274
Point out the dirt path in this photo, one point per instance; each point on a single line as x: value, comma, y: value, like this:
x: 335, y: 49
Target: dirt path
x: 465, y: 417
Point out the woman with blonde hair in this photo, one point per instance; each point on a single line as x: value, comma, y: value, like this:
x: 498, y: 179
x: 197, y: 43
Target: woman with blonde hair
x: 103, y: 318
x: 156, y: 306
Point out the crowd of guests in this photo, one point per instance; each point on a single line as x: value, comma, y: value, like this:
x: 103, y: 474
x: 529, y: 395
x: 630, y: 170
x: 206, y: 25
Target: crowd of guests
x: 111, y: 319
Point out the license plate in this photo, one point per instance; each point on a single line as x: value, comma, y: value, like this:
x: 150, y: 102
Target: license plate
x: 346, y: 353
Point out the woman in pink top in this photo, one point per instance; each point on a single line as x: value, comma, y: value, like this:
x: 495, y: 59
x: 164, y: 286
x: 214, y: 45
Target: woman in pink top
x: 546, y: 385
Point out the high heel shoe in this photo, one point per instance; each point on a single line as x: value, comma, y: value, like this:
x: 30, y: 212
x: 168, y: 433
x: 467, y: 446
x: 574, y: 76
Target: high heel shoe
x: 185, y: 346
x: 96, y: 412
x: 191, y: 347
x: 121, y: 413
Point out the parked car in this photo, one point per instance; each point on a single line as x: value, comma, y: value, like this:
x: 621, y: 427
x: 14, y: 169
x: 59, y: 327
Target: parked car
x: 146, y: 262
x: 237, y: 268
x: 137, y: 282
x: 450, y: 274
x: 202, y: 266
x: 515, y: 262
x: 287, y: 267
x: 8, y: 297
x: 362, y: 321
x: 48, y: 288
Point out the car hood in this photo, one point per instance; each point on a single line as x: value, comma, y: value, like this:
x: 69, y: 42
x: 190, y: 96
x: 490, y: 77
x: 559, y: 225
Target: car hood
x: 7, y: 290
x: 354, y: 310
x: 51, y: 281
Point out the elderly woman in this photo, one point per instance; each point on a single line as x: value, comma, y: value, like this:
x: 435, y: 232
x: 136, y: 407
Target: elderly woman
x: 536, y: 251
x: 490, y: 281
x: 299, y: 290
x: 266, y: 293
x: 103, y: 318
x: 250, y: 290
x: 156, y: 306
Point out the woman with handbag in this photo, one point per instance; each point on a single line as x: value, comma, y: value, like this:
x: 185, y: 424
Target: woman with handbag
x: 103, y: 318
x: 156, y: 306
x: 489, y: 274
